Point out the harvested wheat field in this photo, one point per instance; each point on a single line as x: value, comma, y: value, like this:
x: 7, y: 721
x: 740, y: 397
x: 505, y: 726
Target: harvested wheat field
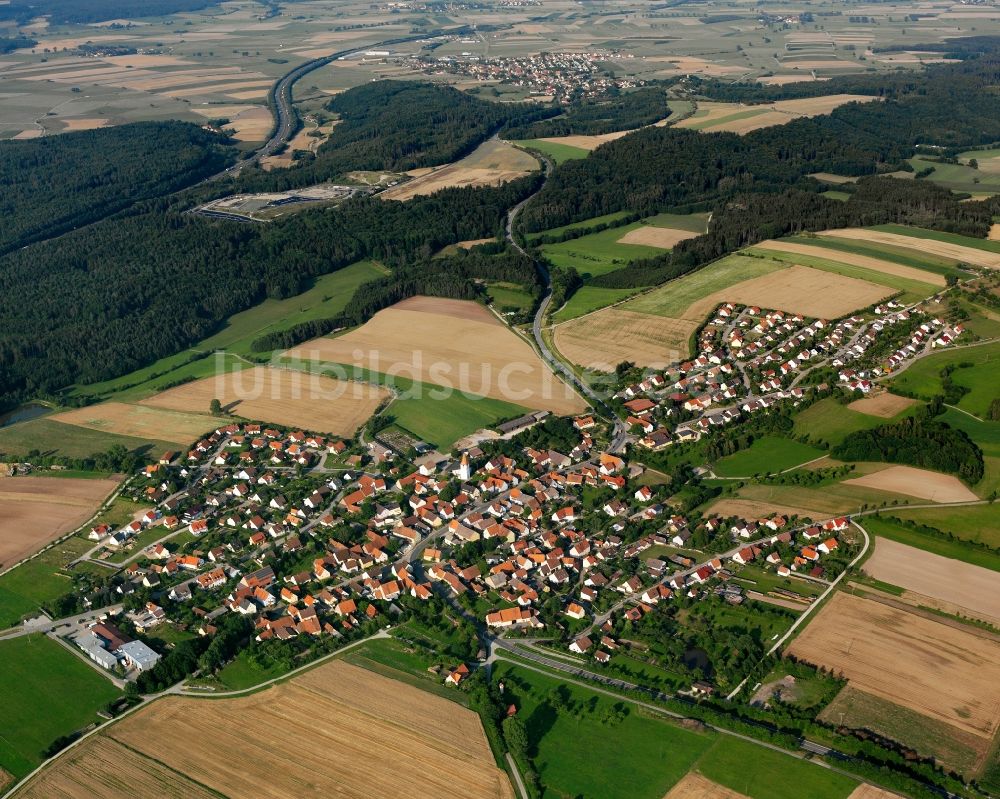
x: 492, y: 163
x: 84, y: 773
x: 452, y: 343
x: 603, y: 339
x: 36, y: 510
x: 758, y: 509
x: 944, y: 249
x: 651, y: 236
x: 864, y: 791
x: 587, y: 142
x: 942, y: 672
x: 801, y: 289
x: 282, y: 396
x: 994, y: 234
x: 885, y: 405
x: 142, y: 422
x: 864, y: 261
x: 695, y: 786
x: 248, y: 122
x: 784, y: 80
x: 84, y: 123
x: 337, y: 731
x: 716, y: 117
x: 912, y: 482
x: 971, y: 587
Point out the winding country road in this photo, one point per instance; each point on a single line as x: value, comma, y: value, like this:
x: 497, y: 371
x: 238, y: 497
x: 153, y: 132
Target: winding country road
x: 620, y: 436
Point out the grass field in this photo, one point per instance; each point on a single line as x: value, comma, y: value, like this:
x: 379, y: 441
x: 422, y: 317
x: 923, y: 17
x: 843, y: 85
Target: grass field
x: 767, y: 454
x: 754, y: 772
x: 49, y: 437
x: 830, y: 421
x: 439, y: 421
x: 598, y: 253
x: 694, y: 223
x: 958, y: 177
x: 982, y: 378
x: 26, y: 588
x: 674, y: 298
x: 239, y: 673
x: 327, y: 297
x: 46, y: 692
x: 510, y: 295
x: 589, y: 298
x: 929, y: 737
x: 582, y: 225
x: 939, y: 265
x: 565, y: 746
x: 555, y: 150
x: 977, y: 523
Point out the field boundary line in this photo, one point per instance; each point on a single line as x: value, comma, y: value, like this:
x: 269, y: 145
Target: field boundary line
x: 175, y: 690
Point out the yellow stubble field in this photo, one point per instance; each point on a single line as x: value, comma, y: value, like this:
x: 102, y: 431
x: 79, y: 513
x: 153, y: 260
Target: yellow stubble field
x: 337, y: 730
x: 457, y: 344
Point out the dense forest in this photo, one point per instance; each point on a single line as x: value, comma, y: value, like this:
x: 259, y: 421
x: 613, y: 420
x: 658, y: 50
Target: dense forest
x: 101, y: 301
x: 916, y: 442
x: 597, y: 115
x: 396, y: 125
x: 87, y: 11
x: 56, y: 183
x: 658, y: 168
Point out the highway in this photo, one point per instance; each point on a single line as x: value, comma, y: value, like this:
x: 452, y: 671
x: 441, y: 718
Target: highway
x: 280, y: 96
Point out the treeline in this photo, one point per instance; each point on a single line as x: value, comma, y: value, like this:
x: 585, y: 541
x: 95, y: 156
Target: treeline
x: 659, y: 168
x: 55, y: 183
x: 458, y: 277
x: 100, y: 302
x: 87, y: 11
x: 747, y: 220
x: 117, y: 459
x: 919, y: 442
x: 597, y: 115
x: 10, y: 44
x: 395, y: 126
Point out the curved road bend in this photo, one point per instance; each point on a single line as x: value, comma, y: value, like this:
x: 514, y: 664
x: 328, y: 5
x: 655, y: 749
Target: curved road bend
x: 620, y: 435
x: 280, y: 95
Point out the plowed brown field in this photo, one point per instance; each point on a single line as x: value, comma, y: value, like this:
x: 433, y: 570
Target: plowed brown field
x: 934, y: 669
x: 36, y: 510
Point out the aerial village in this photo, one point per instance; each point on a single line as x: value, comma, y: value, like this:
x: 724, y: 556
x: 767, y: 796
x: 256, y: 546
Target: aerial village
x: 545, y: 533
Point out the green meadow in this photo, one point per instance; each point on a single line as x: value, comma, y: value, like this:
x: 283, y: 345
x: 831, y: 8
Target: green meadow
x: 46, y: 693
